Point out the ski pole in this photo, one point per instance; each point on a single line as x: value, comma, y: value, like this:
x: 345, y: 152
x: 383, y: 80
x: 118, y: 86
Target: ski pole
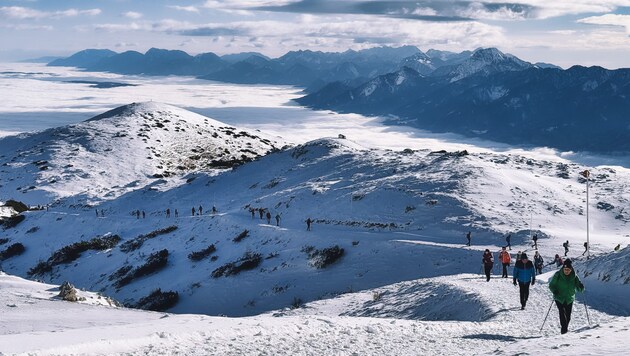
x: 586, y: 308
x: 548, y: 311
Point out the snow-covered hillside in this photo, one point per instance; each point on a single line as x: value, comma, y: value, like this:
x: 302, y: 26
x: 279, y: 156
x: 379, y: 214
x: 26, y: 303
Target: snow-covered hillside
x: 367, y: 205
x: 455, y: 315
x: 383, y: 270
x: 122, y: 150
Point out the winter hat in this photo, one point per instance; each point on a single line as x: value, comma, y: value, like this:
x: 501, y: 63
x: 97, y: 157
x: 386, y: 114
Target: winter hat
x: 523, y: 256
x: 567, y: 263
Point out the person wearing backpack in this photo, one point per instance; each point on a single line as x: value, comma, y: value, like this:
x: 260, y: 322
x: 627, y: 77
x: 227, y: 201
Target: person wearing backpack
x: 505, y: 259
x: 525, y: 274
x: 488, y: 263
x: 563, y: 285
x: 538, y: 262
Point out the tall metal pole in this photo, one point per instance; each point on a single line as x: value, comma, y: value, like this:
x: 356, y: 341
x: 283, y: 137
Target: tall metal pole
x: 588, y: 243
x: 586, y: 174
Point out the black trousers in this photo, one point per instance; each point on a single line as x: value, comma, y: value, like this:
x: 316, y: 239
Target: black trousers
x: 487, y: 269
x: 505, y: 273
x: 565, y: 315
x: 524, y: 292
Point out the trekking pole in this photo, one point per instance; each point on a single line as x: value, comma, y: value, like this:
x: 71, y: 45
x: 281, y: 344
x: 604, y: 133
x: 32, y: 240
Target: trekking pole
x: 586, y: 308
x: 548, y: 311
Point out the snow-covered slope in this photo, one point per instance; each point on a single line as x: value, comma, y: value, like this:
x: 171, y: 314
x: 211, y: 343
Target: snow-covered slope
x: 368, y: 202
x: 455, y: 315
x: 121, y: 150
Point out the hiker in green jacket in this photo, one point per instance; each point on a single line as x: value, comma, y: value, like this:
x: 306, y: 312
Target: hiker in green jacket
x: 563, y: 285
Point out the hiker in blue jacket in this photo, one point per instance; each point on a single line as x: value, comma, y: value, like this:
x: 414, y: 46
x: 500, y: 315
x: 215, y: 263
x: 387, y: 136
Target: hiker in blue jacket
x: 525, y: 274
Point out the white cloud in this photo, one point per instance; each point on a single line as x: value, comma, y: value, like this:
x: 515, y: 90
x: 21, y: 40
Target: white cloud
x: 609, y: 20
x: 132, y: 15
x: 20, y: 13
x: 563, y: 32
x: 554, y: 8
x: 235, y: 4
x: 28, y: 27
x: 184, y: 8
x: 25, y: 13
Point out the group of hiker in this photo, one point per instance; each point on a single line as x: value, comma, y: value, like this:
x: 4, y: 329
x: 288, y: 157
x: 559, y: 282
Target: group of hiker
x: 562, y: 285
x: 141, y: 213
x: 264, y: 213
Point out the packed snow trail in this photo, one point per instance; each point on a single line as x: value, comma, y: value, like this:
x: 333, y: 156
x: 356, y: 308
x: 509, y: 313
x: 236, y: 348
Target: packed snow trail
x: 485, y: 319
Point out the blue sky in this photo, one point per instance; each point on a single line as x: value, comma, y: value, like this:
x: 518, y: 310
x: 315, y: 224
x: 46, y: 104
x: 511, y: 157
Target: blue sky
x: 563, y: 32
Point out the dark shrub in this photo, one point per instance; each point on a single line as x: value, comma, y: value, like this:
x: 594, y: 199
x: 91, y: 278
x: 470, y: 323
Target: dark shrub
x: 70, y: 253
x: 297, y: 303
x: 12, y: 221
x: 222, y: 270
x: 200, y: 255
x: 32, y: 230
x: 155, y: 262
x: 121, y: 272
x: 158, y: 300
x: 16, y: 205
x: 249, y: 261
x: 325, y: 257
x: 41, y: 268
x: 14, y: 250
x: 135, y: 244
x: 241, y: 236
x: 3, y: 241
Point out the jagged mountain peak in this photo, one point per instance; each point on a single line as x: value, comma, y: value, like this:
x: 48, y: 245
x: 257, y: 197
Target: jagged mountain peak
x: 487, y: 61
x: 489, y: 54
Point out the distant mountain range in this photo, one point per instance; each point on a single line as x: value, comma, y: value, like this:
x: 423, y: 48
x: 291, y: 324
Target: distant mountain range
x: 498, y: 97
x: 483, y: 93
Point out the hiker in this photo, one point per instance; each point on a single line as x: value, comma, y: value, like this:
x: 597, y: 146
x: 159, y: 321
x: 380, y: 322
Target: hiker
x: 535, y: 239
x: 563, y: 285
x: 617, y: 247
x: 260, y: 212
x: 193, y: 211
x: 200, y: 210
x: 505, y: 259
x: 168, y: 213
x: 518, y: 256
x: 308, y: 224
x: 268, y: 216
x: 277, y: 219
x: 525, y: 274
x: 143, y: 215
x: 137, y: 214
x: 508, y: 239
x: 488, y: 262
x: 585, y: 248
x: 566, y: 247
x: 557, y: 260
x: 214, y: 210
x: 97, y: 213
x: 538, y: 263
x: 176, y: 213
x: 252, y: 211
x: 468, y: 238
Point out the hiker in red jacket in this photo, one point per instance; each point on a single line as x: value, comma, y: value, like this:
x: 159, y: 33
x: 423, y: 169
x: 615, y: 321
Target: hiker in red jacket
x: 505, y: 259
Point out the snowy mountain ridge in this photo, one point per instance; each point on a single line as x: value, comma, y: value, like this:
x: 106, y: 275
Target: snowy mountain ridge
x: 363, y: 203
x: 121, y: 150
x: 384, y: 266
